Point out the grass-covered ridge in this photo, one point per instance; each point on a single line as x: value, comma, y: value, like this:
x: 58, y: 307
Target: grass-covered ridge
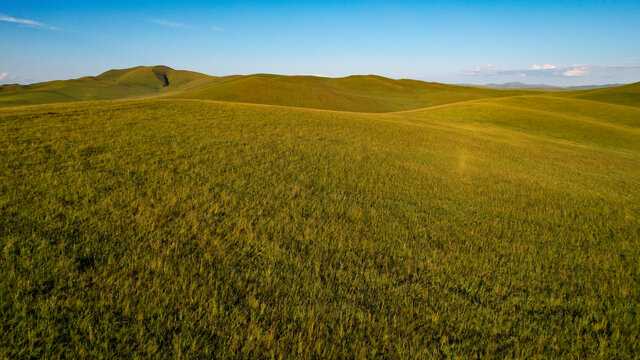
x: 622, y: 95
x: 354, y: 93
x: 141, y: 81
x: 358, y: 93
x: 503, y: 227
x: 579, y: 121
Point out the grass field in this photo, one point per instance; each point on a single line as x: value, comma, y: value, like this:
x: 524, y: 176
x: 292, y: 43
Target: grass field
x: 501, y: 225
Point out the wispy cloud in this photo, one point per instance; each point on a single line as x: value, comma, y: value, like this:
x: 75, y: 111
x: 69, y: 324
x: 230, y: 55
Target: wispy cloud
x: 217, y: 28
x: 549, y: 70
x: 27, y: 22
x: 543, y: 67
x: 169, y: 23
x: 628, y: 66
x: 577, y: 70
x: 482, y: 70
x: 6, y: 76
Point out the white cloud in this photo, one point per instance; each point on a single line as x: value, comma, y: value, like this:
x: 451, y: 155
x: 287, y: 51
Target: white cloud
x: 6, y: 76
x: 576, y: 70
x: 217, y: 28
x: 482, y: 70
x: 26, y: 22
x: 169, y: 23
x: 543, y: 67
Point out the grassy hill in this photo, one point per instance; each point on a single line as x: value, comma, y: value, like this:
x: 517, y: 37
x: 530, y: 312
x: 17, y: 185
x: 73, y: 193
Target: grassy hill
x: 579, y: 121
x: 471, y: 226
x: 360, y: 93
x: 367, y: 93
x: 137, y: 82
x: 622, y: 95
x: 354, y: 93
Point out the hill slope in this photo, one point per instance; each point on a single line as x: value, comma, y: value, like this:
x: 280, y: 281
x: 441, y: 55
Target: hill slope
x: 354, y: 93
x: 503, y: 228
x: 366, y: 93
x: 579, y: 121
x: 622, y: 95
x: 114, y: 84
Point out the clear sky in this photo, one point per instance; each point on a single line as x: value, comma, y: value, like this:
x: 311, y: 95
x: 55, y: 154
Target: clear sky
x: 550, y: 42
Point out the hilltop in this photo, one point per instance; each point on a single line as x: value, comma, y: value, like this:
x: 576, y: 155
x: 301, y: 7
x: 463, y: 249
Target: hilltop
x: 362, y: 93
x: 357, y: 93
x: 131, y: 83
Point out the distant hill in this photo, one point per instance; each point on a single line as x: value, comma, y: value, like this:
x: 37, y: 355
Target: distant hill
x: 587, y: 87
x: 521, y: 85
x: 365, y: 93
x: 359, y: 93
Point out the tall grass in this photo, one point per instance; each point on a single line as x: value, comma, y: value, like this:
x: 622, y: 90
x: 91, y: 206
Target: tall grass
x: 192, y: 229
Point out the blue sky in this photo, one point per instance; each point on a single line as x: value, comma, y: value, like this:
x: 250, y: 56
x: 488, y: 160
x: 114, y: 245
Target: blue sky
x: 551, y: 42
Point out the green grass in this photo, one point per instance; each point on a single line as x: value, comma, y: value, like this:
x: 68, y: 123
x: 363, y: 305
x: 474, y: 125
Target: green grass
x: 496, y: 228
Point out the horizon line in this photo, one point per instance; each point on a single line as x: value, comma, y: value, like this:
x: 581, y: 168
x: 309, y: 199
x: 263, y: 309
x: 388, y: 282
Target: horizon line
x: 27, y: 81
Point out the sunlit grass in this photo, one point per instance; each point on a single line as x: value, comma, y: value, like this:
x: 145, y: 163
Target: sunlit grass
x: 169, y: 228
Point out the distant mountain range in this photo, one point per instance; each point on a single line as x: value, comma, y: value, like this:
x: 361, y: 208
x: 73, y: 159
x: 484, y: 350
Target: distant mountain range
x: 520, y: 85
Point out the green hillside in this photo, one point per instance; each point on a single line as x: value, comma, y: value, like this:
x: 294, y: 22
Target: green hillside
x: 114, y: 84
x: 361, y: 93
x: 488, y: 228
x: 354, y: 93
x: 622, y: 95
x: 579, y: 121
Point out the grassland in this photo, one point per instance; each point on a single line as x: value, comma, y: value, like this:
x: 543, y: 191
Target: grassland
x: 503, y: 226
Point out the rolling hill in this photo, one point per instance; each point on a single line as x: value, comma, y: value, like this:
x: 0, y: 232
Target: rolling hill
x: 114, y: 84
x: 622, y: 95
x: 473, y: 223
x: 354, y: 93
x: 579, y: 121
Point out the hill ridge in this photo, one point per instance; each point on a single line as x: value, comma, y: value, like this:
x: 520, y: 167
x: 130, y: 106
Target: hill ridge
x: 357, y: 93
x: 354, y: 93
